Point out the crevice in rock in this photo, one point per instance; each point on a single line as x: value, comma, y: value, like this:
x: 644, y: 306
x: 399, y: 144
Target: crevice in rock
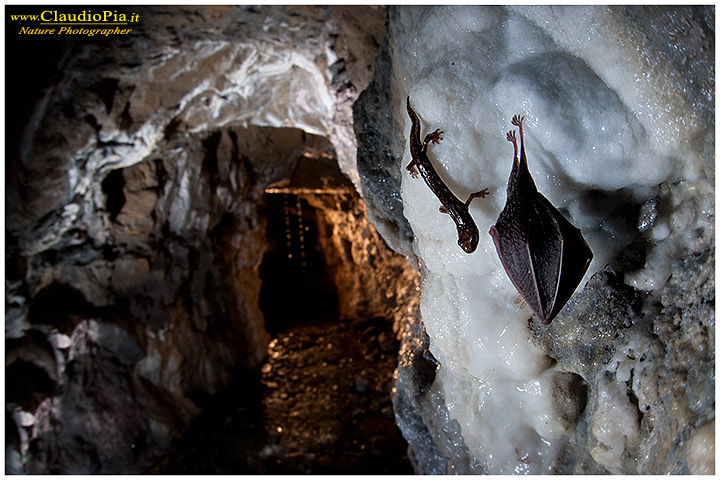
x: 27, y: 384
x: 60, y: 306
x: 112, y: 187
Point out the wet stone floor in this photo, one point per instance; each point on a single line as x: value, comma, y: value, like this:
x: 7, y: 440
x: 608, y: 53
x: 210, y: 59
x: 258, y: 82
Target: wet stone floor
x: 320, y: 404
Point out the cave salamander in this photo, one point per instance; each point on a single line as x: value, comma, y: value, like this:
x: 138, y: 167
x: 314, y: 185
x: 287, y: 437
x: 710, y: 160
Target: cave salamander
x: 468, y: 236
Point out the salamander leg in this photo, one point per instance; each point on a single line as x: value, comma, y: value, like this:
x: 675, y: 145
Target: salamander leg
x: 433, y: 137
x: 412, y: 169
x: 481, y: 194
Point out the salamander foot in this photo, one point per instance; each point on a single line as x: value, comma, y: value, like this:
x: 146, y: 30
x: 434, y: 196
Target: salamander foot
x: 481, y: 194
x: 433, y: 137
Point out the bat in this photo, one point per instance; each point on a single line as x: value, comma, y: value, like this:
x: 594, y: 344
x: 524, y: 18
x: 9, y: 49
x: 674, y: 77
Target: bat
x: 544, y: 254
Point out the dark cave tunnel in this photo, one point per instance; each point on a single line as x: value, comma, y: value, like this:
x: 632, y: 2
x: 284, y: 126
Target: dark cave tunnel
x: 320, y: 402
x: 297, y: 286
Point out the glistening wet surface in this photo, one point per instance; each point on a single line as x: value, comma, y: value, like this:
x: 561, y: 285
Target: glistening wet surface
x: 320, y: 404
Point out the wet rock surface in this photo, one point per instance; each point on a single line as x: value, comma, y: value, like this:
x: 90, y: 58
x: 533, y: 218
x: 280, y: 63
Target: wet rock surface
x: 136, y: 228
x: 635, y: 343
x: 320, y: 404
x: 378, y: 156
x: 136, y: 222
x: 662, y: 364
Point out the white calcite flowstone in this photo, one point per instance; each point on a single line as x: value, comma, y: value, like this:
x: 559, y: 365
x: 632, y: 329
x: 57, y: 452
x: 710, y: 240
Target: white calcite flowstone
x: 612, y: 122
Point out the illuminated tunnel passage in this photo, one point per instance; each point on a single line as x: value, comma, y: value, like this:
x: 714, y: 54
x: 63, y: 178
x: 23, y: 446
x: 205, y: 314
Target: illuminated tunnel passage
x: 296, y: 288
x: 321, y: 402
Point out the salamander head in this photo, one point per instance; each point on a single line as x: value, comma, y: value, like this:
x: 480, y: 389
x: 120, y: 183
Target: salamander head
x: 468, y: 239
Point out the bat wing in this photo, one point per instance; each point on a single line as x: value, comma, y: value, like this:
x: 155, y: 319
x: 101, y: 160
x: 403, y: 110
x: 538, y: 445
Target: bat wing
x: 574, y: 261
x: 544, y: 255
x: 527, y: 258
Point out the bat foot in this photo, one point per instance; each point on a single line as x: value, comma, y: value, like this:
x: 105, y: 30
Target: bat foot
x: 512, y: 138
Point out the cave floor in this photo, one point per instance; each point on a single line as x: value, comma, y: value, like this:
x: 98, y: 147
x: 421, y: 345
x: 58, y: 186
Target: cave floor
x: 320, y: 404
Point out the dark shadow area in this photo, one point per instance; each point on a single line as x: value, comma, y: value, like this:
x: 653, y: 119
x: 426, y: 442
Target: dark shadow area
x: 321, y: 402
x: 319, y: 405
x: 61, y: 306
x: 27, y: 385
x: 295, y: 290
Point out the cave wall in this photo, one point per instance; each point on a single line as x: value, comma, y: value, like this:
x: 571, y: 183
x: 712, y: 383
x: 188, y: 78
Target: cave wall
x: 135, y: 224
x: 184, y: 71
x: 619, y: 107
x: 162, y: 309
x: 134, y: 229
x: 358, y: 259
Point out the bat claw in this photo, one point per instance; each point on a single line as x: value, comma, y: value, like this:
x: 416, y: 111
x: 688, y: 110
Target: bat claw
x: 517, y: 120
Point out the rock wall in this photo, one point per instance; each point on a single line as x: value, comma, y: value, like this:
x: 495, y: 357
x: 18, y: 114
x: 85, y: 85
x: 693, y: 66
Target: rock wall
x: 158, y: 303
x: 484, y: 388
x: 135, y: 227
x: 359, y: 259
x: 135, y: 223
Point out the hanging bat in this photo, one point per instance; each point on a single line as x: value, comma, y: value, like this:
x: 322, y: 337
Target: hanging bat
x: 544, y: 255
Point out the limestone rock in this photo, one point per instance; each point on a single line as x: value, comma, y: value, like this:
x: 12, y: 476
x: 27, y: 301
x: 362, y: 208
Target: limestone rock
x: 135, y: 218
x: 377, y: 157
x: 596, y: 387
